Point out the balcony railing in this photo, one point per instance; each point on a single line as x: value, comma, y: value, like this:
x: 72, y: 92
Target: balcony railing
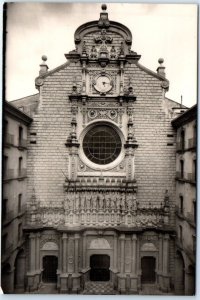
x: 180, y: 175
x: 191, y: 218
x: 22, y: 143
x: 180, y: 146
x: 22, y: 173
x: 191, y: 177
x: 8, y: 217
x: 8, y: 174
x: 8, y: 139
x: 192, y: 143
x: 6, y: 251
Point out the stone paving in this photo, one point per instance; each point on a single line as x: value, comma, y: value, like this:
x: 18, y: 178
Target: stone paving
x: 99, y: 288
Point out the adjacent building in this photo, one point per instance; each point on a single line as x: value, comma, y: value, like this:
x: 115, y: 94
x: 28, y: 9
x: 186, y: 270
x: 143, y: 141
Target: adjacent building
x: 14, y: 197
x: 186, y: 128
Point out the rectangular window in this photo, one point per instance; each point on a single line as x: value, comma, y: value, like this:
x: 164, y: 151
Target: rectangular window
x: 4, y: 208
x: 20, y: 166
x: 19, y: 203
x: 194, y: 244
x: 20, y: 135
x: 181, y: 204
x: 194, y: 210
x: 19, y: 231
x: 181, y: 234
x: 182, y: 168
x: 194, y: 170
x: 4, y: 242
x: 182, y: 140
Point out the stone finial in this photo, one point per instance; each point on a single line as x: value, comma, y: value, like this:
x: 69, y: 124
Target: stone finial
x: 104, y: 7
x: 43, y: 67
x: 103, y: 21
x: 161, y: 68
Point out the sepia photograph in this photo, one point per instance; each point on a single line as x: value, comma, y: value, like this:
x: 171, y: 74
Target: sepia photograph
x: 99, y: 139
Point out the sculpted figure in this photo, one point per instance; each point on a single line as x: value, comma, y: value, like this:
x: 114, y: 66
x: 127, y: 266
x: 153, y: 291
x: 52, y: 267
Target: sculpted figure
x: 112, y: 200
x: 129, y: 201
x: 101, y: 201
x: 83, y: 200
x: 71, y: 203
x: 107, y: 201
x: 88, y: 202
x: 77, y: 201
x: 118, y: 201
x: 94, y: 202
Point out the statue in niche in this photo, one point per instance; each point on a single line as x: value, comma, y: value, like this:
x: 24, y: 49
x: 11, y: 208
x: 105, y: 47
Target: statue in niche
x: 123, y: 202
x: 77, y: 201
x: 94, y: 202
x: 112, y: 200
x: 71, y: 202
x: 112, y: 52
x: 88, y: 202
x: 83, y: 200
x: 129, y: 201
x: 93, y: 52
x: 118, y: 201
x: 121, y: 49
x: 101, y: 201
x: 134, y: 205
x: 107, y: 200
x: 66, y: 203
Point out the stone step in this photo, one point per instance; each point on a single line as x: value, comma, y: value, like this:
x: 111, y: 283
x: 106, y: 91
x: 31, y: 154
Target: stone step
x: 99, y: 288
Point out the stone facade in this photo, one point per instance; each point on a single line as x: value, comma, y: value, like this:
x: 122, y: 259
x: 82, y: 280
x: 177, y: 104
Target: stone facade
x: 186, y: 201
x: 86, y: 207
x: 14, y: 197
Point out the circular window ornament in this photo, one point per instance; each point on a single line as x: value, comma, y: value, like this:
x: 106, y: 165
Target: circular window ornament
x: 102, y: 144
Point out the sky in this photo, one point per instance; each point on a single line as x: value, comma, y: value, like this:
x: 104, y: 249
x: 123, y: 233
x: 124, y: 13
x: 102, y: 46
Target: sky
x: 159, y: 30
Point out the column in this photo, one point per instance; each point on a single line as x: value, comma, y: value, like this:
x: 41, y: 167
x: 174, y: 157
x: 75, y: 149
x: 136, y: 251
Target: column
x: 122, y: 239
x: 38, y: 251
x: 133, y: 277
x: 121, y: 276
x: 63, y: 284
x: 84, y: 251
x: 32, y: 251
x: 134, y: 253
x: 115, y: 253
x: 64, y: 257
x: 166, y: 254
x: 31, y: 275
x: 160, y: 254
x: 76, y: 254
x: 166, y: 277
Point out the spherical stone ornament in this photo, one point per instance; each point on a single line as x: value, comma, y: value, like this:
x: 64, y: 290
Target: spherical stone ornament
x: 161, y: 60
x: 165, y: 84
x: 103, y: 6
x: 44, y: 57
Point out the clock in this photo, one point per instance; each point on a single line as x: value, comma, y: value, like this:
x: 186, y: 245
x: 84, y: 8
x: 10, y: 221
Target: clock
x: 103, y: 84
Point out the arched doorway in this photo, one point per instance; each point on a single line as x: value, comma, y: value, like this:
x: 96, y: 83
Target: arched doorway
x: 50, y: 266
x: 5, y: 279
x: 19, y: 274
x: 191, y: 280
x: 148, y: 266
x: 99, y: 265
x: 180, y: 275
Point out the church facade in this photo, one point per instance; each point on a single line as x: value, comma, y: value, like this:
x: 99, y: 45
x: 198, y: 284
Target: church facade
x: 101, y: 169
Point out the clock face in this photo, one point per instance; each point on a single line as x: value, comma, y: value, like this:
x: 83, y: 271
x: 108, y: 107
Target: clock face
x: 103, y: 84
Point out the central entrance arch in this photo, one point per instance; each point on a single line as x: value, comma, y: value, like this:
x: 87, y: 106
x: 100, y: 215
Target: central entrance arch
x: 148, y: 265
x: 50, y: 265
x: 99, y: 265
